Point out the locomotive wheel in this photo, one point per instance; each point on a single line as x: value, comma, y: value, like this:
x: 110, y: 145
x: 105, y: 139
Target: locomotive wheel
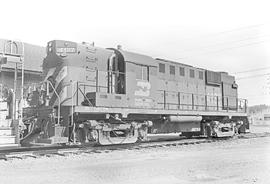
x: 92, y: 135
x: 104, y: 138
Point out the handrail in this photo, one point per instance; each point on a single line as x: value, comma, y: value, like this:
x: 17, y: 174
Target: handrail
x: 72, y: 111
x: 59, y: 99
x: 85, y: 96
x: 223, y: 105
x: 117, y: 72
x: 210, y: 102
x: 176, y: 92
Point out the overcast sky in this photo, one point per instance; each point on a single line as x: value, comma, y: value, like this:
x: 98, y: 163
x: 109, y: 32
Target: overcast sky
x: 227, y: 35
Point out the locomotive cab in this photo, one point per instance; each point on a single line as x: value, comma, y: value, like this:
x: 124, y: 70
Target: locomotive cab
x: 116, y: 73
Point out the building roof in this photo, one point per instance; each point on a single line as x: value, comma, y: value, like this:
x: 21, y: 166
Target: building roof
x: 33, y: 55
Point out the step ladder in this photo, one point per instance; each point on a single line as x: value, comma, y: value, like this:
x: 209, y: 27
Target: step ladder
x: 7, y: 130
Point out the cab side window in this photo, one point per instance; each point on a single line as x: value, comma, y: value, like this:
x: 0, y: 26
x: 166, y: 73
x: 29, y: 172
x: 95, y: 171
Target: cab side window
x: 142, y: 72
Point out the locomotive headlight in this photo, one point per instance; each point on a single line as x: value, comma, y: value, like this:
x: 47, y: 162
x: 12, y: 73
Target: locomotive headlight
x: 49, y: 47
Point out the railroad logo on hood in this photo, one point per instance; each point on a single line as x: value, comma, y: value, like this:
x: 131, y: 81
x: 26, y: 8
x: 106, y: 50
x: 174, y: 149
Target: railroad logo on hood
x: 143, y: 88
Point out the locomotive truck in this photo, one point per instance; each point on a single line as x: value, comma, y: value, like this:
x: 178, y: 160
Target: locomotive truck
x: 112, y: 96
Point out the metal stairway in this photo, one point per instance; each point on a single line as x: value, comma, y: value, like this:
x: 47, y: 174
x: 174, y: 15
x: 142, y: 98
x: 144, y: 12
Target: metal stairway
x: 7, y: 133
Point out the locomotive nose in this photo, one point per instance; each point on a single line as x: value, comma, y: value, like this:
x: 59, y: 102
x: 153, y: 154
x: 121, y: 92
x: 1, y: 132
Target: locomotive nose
x: 61, y: 48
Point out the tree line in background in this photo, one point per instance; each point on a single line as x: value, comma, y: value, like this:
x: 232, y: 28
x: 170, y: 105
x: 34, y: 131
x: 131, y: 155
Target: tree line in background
x: 257, y: 108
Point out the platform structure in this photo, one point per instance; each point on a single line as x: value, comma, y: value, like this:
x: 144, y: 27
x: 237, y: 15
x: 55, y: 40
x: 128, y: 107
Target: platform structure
x: 8, y: 128
x: 10, y: 112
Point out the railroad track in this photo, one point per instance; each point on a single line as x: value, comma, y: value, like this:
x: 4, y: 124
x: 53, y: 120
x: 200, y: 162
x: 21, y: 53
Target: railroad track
x: 50, y: 151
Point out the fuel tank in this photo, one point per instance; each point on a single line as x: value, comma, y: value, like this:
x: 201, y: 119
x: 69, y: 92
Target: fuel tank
x: 184, y: 119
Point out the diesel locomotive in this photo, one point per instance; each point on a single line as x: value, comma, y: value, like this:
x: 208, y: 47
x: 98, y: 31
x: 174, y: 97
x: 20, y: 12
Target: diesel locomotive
x: 112, y: 96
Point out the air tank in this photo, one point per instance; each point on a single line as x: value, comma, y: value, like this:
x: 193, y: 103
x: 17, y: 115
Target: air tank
x: 184, y: 119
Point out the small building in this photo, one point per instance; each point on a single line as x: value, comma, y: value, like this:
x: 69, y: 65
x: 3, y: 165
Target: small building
x: 33, y: 59
x: 16, y: 52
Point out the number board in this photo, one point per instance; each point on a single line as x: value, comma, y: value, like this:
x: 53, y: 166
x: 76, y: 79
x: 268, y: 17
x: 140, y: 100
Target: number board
x: 66, y: 50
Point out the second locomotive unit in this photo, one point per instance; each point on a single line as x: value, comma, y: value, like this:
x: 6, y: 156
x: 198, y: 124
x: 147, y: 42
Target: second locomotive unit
x: 112, y: 96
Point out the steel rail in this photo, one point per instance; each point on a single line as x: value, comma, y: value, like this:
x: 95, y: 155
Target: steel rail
x: 49, y: 151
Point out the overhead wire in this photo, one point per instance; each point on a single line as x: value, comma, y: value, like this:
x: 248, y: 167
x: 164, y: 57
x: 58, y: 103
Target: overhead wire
x: 225, y: 49
x: 252, y: 76
x: 224, y: 43
x: 252, y: 70
x: 229, y: 48
x: 224, y: 32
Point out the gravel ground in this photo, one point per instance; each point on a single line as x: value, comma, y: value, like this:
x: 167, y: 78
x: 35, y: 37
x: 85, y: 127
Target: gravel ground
x: 232, y: 161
